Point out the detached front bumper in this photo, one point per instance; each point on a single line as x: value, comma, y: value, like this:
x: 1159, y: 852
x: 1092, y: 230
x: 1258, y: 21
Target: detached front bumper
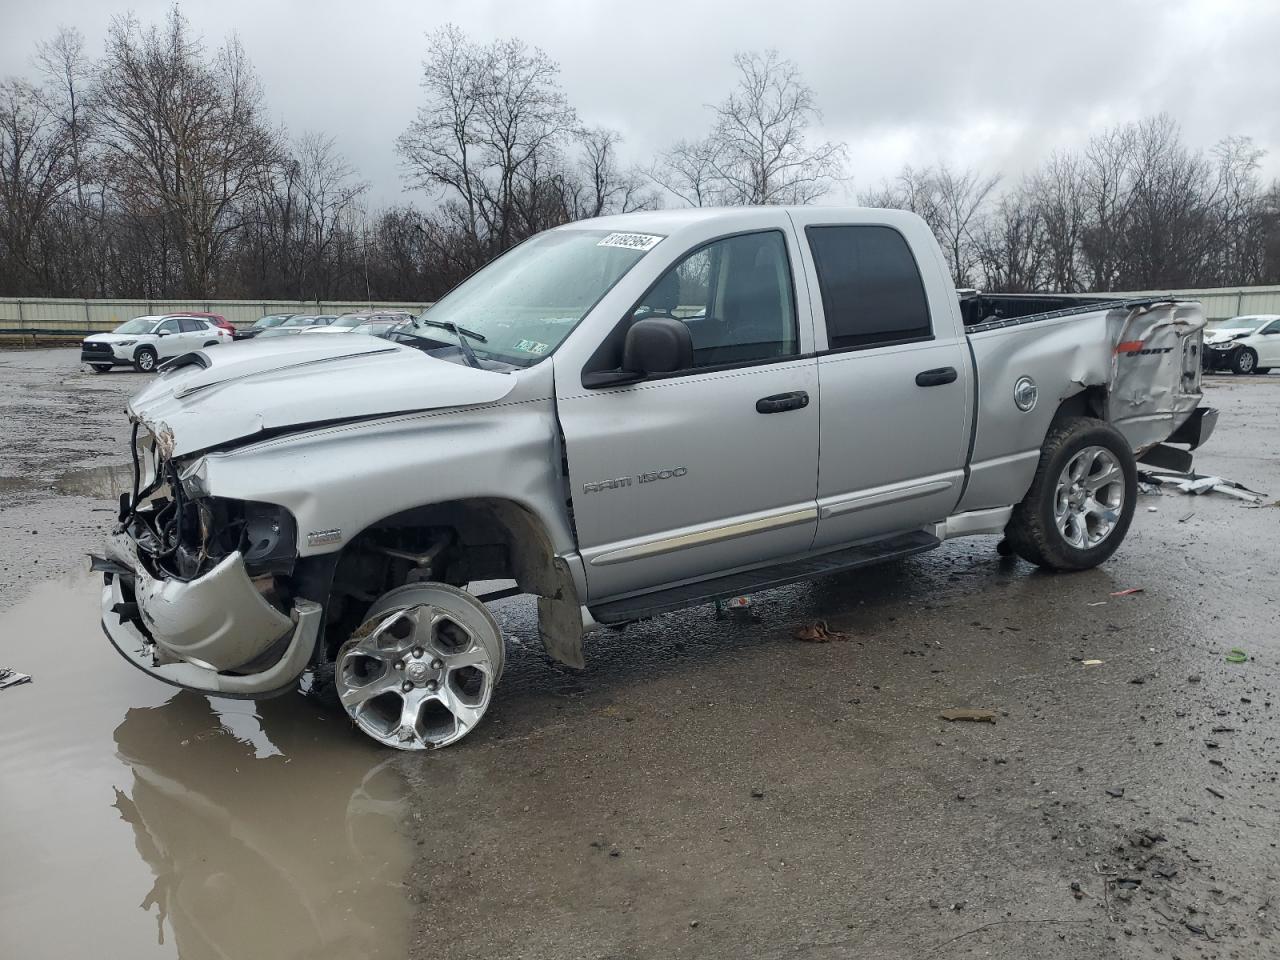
x: 215, y: 634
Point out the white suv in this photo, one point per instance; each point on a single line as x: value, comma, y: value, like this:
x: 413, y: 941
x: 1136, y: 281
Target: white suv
x: 1244, y: 344
x: 144, y: 341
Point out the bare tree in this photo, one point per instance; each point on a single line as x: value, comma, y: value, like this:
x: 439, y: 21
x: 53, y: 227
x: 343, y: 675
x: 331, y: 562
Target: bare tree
x: 183, y: 136
x: 758, y: 151
x: 604, y: 186
x: 688, y: 170
x: 35, y: 171
x: 493, y: 115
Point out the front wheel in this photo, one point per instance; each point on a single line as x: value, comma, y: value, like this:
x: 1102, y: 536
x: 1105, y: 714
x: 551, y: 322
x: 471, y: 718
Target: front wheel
x: 1245, y: 361
x: 145, y: 359
x: 1081, y: 501
x: 101, y: 367
x: 419, y: 673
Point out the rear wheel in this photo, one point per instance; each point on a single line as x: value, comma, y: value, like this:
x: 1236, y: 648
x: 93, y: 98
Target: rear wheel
x: 1081, y: 501
x: 1245, y: 361
x: 419, y: 673
x: 145, y: 359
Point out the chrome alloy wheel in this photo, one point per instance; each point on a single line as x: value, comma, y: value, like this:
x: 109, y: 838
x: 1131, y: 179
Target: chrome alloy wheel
x: 420, y: 672
x: 1089, y: 497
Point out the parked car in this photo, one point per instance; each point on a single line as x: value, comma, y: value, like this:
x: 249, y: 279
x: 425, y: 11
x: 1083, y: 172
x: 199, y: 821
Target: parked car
x: 296, y: 324
x: 216, y: 319
x: 144, y: 342
x: 261, y: 324
x: 625, y: 416
x: 350, y: 321
x: 379, y: 327
x: 1244, y: 344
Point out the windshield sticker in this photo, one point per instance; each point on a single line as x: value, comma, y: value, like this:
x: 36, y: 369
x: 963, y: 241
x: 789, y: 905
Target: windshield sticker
x: 533, y: 346
x: 631, y: 241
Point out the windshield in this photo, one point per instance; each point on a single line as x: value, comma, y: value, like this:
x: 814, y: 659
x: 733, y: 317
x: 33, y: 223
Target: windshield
x: 137, y: 325
x: 350, y: 320
x: 267, y: 322
x: 299, y: 322
x: 527, y: 301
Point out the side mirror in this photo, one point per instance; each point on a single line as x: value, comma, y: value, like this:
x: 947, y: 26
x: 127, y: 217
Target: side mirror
x: 657, y: 345
x: 653, y: 345
x: 163, y: 333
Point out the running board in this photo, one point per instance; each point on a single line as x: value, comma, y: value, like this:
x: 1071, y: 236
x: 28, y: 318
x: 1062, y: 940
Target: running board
x: 763, y: 578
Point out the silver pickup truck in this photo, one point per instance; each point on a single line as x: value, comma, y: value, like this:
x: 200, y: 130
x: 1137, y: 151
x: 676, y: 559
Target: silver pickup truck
x: 624, y: 416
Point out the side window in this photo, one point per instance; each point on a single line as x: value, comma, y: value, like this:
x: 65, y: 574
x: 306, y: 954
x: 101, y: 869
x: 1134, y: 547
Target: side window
x: 735, y: 296
x: 872, y: 293
x: 169, y: 326
x: 1272, y: 328
x: 190, y: 325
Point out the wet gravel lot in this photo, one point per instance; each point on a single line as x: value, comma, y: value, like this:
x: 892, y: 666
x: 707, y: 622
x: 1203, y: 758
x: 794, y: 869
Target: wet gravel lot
x: 709, y: 787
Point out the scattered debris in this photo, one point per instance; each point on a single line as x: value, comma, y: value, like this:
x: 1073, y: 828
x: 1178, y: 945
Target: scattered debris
x: 1098, y: 603
x: 819, y: 632
x: 1187, y: 517
x: 973, y: 716
x: 1091, y: 663
x: 1196, y: 484
x: 11, y: 678
x: 1217, y: 793
x: 1128, y: 593
x: 757, y: 792
x: 1116, y: 792
x: 1236, y: 655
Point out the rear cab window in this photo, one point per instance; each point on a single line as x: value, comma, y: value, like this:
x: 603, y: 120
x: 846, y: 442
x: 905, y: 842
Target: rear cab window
x: 872, y: 291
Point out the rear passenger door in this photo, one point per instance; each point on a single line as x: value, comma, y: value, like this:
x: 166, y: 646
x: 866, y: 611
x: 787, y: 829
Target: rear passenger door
x: 894, y: 376
x: 195, y: 334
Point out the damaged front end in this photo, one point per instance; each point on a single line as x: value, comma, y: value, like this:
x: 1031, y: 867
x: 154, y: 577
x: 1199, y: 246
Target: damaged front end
x: 198, y: 589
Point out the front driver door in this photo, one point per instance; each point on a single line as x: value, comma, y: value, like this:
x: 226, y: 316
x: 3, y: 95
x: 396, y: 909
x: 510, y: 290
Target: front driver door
x: 713, y: 468
x: 1269, y: 345
x: 169, y: 339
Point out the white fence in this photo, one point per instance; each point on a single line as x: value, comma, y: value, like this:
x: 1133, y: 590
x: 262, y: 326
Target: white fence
x: 24, y: 319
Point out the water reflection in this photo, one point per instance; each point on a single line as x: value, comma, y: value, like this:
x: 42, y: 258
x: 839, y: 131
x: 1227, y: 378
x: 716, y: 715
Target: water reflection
x: 264, y: 835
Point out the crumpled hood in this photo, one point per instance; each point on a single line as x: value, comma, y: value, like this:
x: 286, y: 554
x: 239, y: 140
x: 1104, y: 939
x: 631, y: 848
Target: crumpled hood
x: 252, y: 386
x: 1223, y: 333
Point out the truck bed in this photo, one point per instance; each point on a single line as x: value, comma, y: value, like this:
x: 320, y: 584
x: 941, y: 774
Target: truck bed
x: 989, y: 311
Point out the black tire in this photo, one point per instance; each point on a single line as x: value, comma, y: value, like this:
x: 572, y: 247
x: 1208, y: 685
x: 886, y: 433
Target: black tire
x: 1263, y: 371
x: 144, y: 360
x: 1244, y: 361
x: 101, y: 367
x: 1032, y: 531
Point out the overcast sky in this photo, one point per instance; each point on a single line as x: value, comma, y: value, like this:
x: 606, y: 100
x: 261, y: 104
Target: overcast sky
x: 990, y: 83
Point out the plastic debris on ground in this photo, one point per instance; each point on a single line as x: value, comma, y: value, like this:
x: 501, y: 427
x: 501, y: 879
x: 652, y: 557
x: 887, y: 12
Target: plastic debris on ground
x: 1196, y: 484
x: 1236, y: 655
x: 1128, y: 593
x: 819, y: 632
x: 11, y: 678
x: 972, y: 716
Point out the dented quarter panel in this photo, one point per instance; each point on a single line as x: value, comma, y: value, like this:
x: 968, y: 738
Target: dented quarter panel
x: 1147, y: 394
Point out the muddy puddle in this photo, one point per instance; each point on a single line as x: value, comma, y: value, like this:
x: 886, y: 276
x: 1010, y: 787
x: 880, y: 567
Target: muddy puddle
x: 104, y: 483
x: 140, y: 821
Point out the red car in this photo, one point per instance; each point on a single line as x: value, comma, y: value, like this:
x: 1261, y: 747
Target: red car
x: 216, y: 319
